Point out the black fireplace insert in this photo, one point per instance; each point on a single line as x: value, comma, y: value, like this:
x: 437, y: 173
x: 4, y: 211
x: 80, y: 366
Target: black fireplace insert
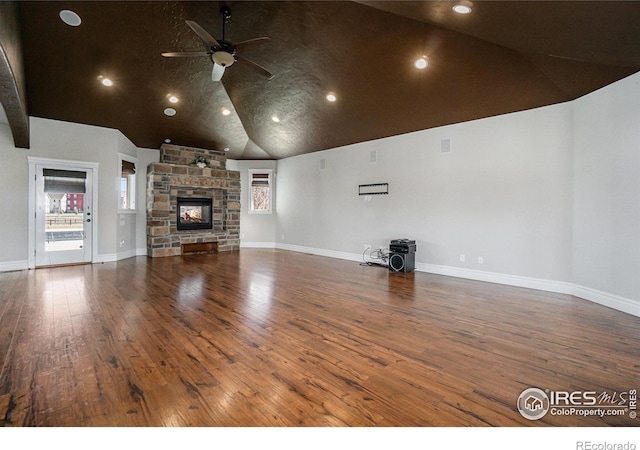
x: 194, y: 213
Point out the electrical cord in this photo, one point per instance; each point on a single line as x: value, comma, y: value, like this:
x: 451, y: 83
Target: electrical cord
x: 377, y: 255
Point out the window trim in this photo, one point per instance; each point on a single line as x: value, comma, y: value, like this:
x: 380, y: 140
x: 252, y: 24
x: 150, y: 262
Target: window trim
x: 269, y: 173
x: 132, y: 195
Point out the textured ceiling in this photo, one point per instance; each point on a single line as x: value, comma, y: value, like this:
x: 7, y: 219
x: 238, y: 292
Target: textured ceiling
x: 505, y: 56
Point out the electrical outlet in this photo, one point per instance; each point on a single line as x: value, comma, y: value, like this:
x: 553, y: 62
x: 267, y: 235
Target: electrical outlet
x: 480, y: 260
x: 463, y: 258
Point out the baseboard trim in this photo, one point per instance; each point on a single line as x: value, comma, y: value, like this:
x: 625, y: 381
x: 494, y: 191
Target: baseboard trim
x: 105, y: 258
x: 319, y: 252
x: 613, y: 301
x: 559, y: 287
x: 12, y: 266
x: 610, y: 300
x: 126, y: 254
x: 244, y: 244
x: 114, y: 257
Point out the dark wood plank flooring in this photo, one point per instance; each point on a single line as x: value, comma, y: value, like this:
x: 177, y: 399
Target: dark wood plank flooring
x: 276, y: 338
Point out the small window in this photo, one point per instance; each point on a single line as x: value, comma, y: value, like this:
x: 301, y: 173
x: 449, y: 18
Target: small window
x: 127, y: 198
x: 260, y: 197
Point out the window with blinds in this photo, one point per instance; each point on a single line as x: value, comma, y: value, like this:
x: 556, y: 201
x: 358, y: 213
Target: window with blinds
x: 64, y: 181
x: 127, y: 200
x: 260, y: 192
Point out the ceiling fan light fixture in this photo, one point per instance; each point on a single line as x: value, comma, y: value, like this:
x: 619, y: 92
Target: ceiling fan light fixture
x: 170, y: 112
x: 223, y: 58
x: 70, y: 18
x: 421, y: 63
x: 463, y: 7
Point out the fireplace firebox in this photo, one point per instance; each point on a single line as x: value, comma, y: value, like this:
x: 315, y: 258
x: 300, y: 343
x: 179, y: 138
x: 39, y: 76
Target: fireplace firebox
x: 194, y: 213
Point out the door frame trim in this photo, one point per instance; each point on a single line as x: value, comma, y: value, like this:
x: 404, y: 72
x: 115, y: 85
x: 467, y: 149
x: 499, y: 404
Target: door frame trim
x: 92, y: 171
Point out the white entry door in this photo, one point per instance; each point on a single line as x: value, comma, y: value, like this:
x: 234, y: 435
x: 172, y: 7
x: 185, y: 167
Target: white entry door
x: 63, y: 215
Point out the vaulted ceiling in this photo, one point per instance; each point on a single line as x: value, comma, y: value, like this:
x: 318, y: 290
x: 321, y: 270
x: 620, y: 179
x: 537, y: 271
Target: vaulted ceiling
x: 504, y: 56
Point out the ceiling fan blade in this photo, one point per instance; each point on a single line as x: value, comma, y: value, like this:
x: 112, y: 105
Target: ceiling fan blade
x: 184, y: 54
x: 568, y: 58
x: 218, y: 71
x: 258, y: 68
x: 251, y: 43
x: 206, y: 37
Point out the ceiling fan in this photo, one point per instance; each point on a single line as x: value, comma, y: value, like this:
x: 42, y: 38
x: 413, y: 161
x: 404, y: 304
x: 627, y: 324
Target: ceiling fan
x: 221, y: 52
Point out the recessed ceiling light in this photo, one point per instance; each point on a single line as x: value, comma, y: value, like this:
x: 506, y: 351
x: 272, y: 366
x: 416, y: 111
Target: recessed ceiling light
x: 173, y: 98
x: 105, y: 81
x: 70, y: 18
x: 225, y: 112
x: 275, y: 118
x: 167, y: 141
x: 463, y: 7
x: 331, y: 97
x: 226, y: 149
x: 170, y: 112
x: 421, y: 63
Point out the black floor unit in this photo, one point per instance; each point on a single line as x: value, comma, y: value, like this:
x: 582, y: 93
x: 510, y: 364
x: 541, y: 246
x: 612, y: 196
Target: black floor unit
x: 402, y: 255
x: 402, y: 262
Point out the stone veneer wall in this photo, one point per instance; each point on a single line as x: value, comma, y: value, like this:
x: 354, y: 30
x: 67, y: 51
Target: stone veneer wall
x: 174, y: 176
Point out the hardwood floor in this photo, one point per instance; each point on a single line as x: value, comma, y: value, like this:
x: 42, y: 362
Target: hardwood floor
x: 276, y: 338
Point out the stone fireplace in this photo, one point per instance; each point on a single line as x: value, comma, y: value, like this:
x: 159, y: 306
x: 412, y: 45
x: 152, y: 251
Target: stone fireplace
x: 174, y: 178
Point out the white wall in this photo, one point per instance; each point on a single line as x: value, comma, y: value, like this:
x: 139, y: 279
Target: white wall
x: 606, y: 231
x: 504, y: 193
x: 13, y: 204
x: 256, y: 230
x: 70, y: 141
x: 127, y: 221
x: 65, y: 141
x: 132, y: 225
